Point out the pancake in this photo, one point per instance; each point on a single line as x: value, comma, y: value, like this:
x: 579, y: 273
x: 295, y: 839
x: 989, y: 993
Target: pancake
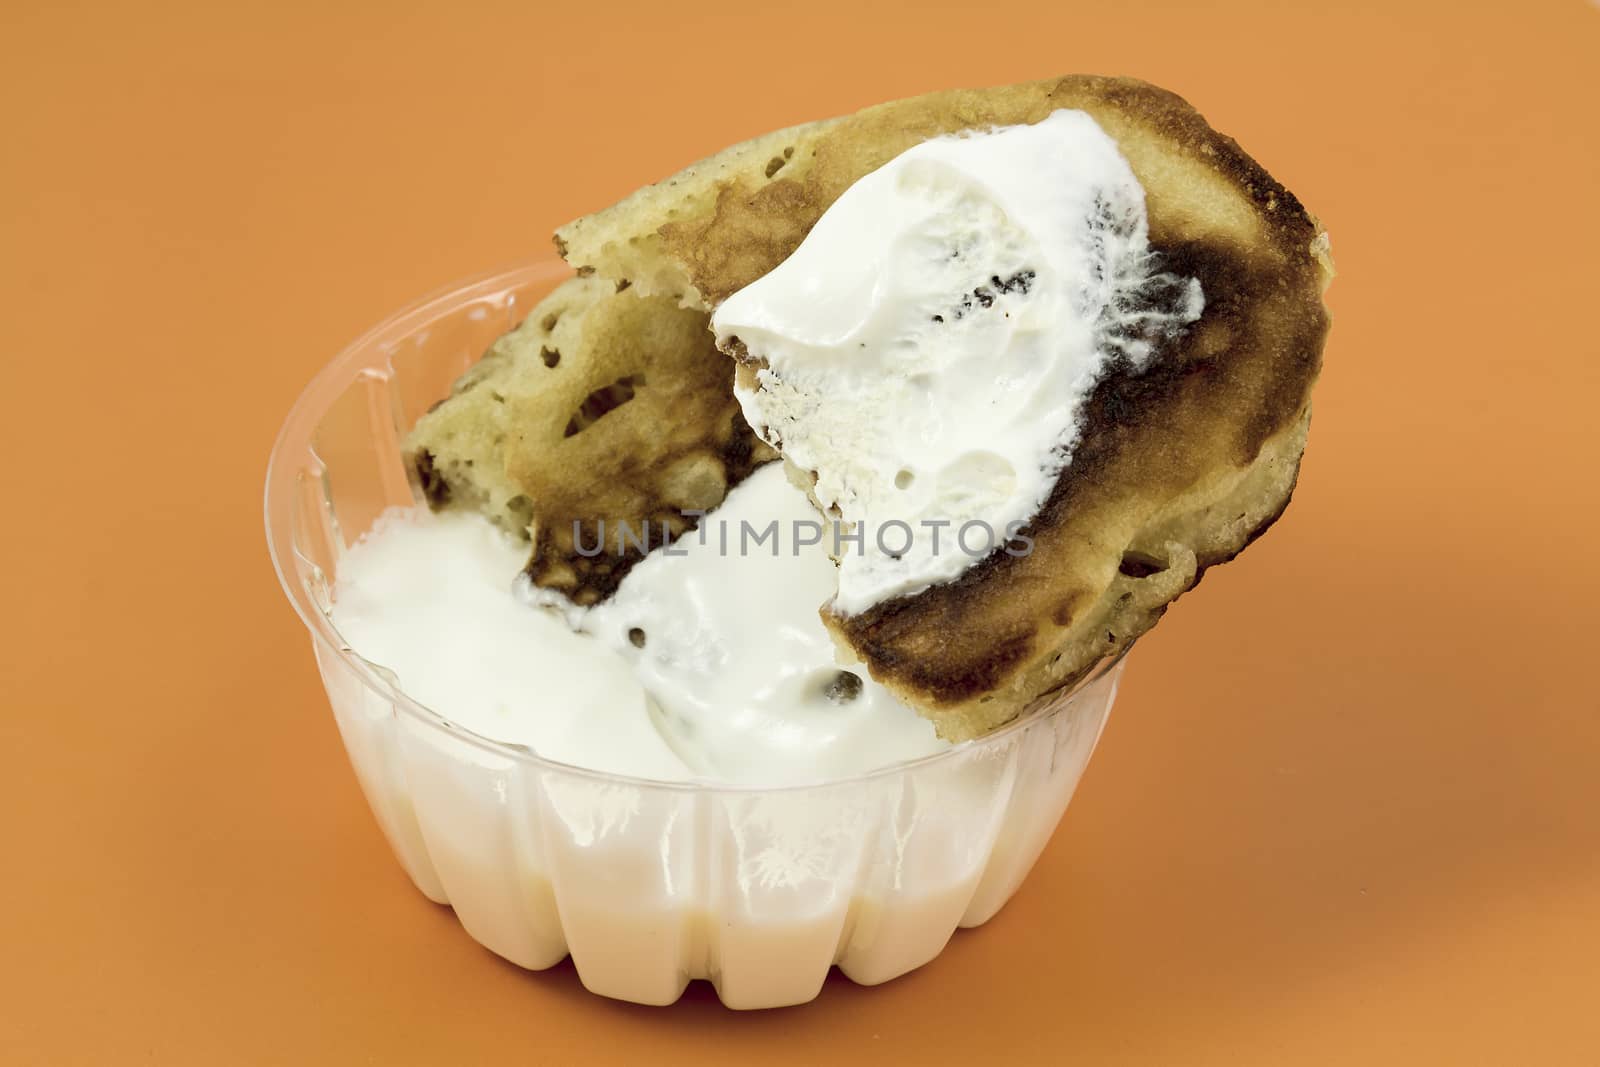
x: 1179, y: 466
x: 603, y: 407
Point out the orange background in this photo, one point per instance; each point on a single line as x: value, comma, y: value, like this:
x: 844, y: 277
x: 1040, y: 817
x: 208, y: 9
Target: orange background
x: 1348, y: 809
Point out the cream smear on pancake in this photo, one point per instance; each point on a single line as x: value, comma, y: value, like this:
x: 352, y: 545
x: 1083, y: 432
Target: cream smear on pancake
x: 927, y: 349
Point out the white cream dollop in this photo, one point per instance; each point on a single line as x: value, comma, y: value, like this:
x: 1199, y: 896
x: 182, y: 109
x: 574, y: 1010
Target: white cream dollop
x: 929, y: 346
x: 722, y: 630
x: 429, y: 598
x: 736, y: 680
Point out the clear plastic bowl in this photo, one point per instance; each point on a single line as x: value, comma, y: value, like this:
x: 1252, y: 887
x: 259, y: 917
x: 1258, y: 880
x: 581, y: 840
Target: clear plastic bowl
x: 645, y: 884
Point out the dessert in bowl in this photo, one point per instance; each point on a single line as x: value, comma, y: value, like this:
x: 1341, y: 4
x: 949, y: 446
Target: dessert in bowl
x: 647, y: 883
x: 673, y: 761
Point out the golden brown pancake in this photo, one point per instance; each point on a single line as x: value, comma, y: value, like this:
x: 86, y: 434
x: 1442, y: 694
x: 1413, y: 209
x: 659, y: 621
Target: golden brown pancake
x: 603, y: 407
x: 1178, y: 467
